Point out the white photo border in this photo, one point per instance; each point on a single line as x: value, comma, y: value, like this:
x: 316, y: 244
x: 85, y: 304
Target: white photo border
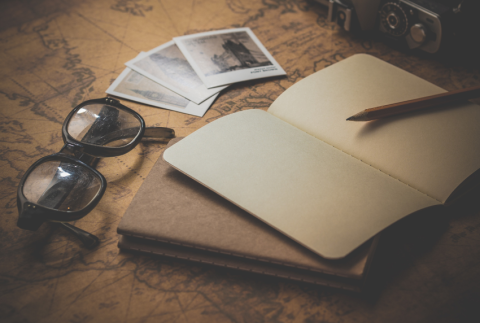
x: 197, y: 110
x: 213, y: 81
x: 188, y: 95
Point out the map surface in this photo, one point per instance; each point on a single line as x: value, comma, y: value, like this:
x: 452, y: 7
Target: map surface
x: 54, y: 54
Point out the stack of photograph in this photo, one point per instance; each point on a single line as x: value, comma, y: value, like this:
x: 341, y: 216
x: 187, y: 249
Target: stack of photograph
x: 187, y: 74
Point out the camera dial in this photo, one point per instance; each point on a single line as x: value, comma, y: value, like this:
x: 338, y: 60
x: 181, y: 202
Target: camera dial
x: 394, y: 19
x: 418, y: 32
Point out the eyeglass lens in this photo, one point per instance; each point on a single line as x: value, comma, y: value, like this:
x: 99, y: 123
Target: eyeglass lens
x: 103, y: 125
x: 61, y: 185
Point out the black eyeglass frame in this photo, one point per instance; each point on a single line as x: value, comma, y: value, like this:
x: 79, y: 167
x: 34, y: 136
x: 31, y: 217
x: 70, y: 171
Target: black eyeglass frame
x: 32, y: 215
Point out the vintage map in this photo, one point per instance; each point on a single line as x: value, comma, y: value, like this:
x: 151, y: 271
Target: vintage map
x: 55, y: 54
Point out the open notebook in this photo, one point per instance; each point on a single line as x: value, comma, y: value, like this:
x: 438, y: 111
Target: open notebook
x: 332, y: 184
x: 173, y: 215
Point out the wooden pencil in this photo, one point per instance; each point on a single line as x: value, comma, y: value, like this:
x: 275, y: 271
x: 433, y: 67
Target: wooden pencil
x: 416, y: 104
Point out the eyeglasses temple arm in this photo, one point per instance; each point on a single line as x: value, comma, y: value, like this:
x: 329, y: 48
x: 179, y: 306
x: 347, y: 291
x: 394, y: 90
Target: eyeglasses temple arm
x: 151, y: 134
x: 89, y: 240
x: 162, y: 133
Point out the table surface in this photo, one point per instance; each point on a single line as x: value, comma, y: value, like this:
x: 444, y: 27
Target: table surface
x: 56, y: 53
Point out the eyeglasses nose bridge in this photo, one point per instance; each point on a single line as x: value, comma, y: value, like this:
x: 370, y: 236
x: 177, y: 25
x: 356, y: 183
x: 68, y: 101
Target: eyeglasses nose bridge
x: 72, y: 149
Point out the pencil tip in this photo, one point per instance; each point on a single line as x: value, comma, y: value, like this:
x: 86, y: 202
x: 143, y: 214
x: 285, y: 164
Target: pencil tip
x: 351, y: 118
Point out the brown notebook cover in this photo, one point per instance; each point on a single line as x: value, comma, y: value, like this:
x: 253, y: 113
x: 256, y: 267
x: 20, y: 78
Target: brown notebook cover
x: 175, y: 216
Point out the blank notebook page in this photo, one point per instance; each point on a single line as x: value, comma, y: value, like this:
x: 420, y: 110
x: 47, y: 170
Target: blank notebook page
x: 433, y: 150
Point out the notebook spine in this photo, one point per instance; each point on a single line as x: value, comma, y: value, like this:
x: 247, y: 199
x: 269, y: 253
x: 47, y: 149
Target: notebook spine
x: 246, y: 269
x: 326, y: 272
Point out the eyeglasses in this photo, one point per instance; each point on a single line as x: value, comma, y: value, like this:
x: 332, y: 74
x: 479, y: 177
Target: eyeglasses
x: 65, y: 186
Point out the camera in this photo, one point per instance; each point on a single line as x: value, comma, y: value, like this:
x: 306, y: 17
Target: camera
x: 424, y: 24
